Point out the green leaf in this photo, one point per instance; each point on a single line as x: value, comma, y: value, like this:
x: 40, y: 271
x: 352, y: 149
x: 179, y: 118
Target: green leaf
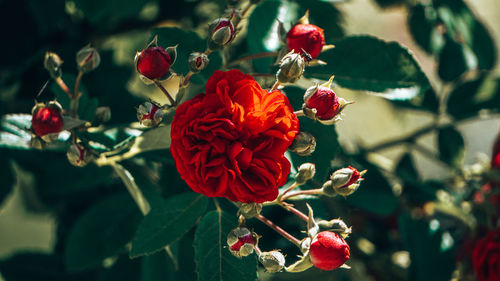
x: 451, y: 146
x: 14, y: 131
x: 123, y: 269
x: 213, y: 259
x: 375, y: 193
x: 468, y: 98
x: 109, y: 11
x: 390, y: 3
x: 422, y: 21
x: 168, y: 223
x: 367, y: 63
x: 414, y: 190
x: 432, y: 258
x: 454, y: 61
x: 157, y: 267
x: 7, y: 176
x: 405, y: 169
x: 188, y: 42
x: 101, y: 232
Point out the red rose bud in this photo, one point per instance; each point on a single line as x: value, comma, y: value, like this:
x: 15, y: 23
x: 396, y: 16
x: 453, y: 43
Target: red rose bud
x: 197, y: 61
x: 486, y: 257
x: 78, y: 155
x: 347, y: 180
x: 87, y: 59
x: 52, y: 63
x: 241, y: 241
x: 150, y: 114
x: 153, y: 63
x: 221, y: 33
x: 306, y: 172
x: 306, y: 37
x: 46, y: 119
x: 321, y: 102
x: 273, y: 261
x: 292, y: 66
x: 304, y: 144
x: 328, y: 251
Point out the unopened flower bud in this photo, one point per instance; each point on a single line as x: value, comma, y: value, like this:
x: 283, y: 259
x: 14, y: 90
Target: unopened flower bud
x: 343, y: 182
x: 250, y: 210
x: 304, y: 144
x: 336, y: 225
x: 154, y: 62
x: 47, y: 120
x: 328, y: 251
x: 292, y: 66
x: 273, y: 261
x: 197, y: 61
x: 149, y: 114
x: 78, y: 155
x: 221, y: 33
x: 306, y: 172
x: 87, y: 59
x: 102, y: 114
x: 52, y: 63
x: 306, y: 37
x: 241, y: 241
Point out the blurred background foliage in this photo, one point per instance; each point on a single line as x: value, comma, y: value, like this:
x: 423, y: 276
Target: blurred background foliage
x: 410, y: 127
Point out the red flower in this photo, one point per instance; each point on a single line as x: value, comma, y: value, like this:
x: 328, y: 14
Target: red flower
x: 306, y: 36
x: 328, y: 251
x: 154, y: 62
x: 486, y: 257
x: 46, y: 120
x: 230, y: 141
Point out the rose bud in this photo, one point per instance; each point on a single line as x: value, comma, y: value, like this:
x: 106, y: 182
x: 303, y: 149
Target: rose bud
x: 336, y: 225
x: 87, y: 59
x: 197, y: 61
x: 52, y: 63
x: 250, y: 210
x: 306, y: 172
x: 154, y: 62
x: 78, y: 155
x: 291, y: 68
x: 241, y: 241
x: 221, y: 33
x: 344, y: 181
x: 306, y: 37
x: 321, y: 102
x: 47, y: 120
x: 102, y: 114
x: 150, y: 114
x: 328, y: 251
x: 304, y: 144
x: 273, y: 261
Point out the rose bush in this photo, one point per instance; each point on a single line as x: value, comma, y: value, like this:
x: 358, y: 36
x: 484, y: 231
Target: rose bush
x: 486, y: 257
x: 229, y: 142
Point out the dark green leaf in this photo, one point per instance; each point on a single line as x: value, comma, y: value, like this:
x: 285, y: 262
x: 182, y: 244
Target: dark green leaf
x: 405, y: 169
x: 454, y: 61
x: 157, y: 267
x: 101, y: 232
x: 38, y: 267
x: 7, y: 177
x: 188, y: 42
x: 109, y: 11
x: 165, y: 225
x: 414, y: 190
x: 422, y: 22
x: 431, y: 257
x: 467, y: 99
x: 367, y: 63
x: 451, y: 146
x: 213, y: 259
x: 390, y: 3
x: 14, y: 131
x: 375, y: 193
x: 124, y: 269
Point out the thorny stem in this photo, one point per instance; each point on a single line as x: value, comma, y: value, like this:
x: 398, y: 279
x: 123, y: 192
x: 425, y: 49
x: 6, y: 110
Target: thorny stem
x: 275, y: 86
x: 76, y: 96
x: 299, y: 113
x: 167, y: 94
x: 279, y: 230
x: 297, y: 212
x: 252, y: 57
x: 317, y: 191
x: 64, y: 87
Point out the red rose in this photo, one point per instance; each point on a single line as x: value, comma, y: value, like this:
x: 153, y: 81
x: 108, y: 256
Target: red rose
x: 306, y: 36
x: 486, y: 257
x: 230, y: 141
x: 328, y: 251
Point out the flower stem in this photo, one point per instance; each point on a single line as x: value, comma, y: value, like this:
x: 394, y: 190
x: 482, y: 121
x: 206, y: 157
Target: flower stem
x: 275, y: 86
x: 252, y: 57
x: 167, y: 94
x: 279, y: 230
x: 297, y: 212
x: 299, y: 113
x: 186, y: 79
x: 317, y: 191
x: 73, y: 108
x: 290, y: 188
x: 64, y: 87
